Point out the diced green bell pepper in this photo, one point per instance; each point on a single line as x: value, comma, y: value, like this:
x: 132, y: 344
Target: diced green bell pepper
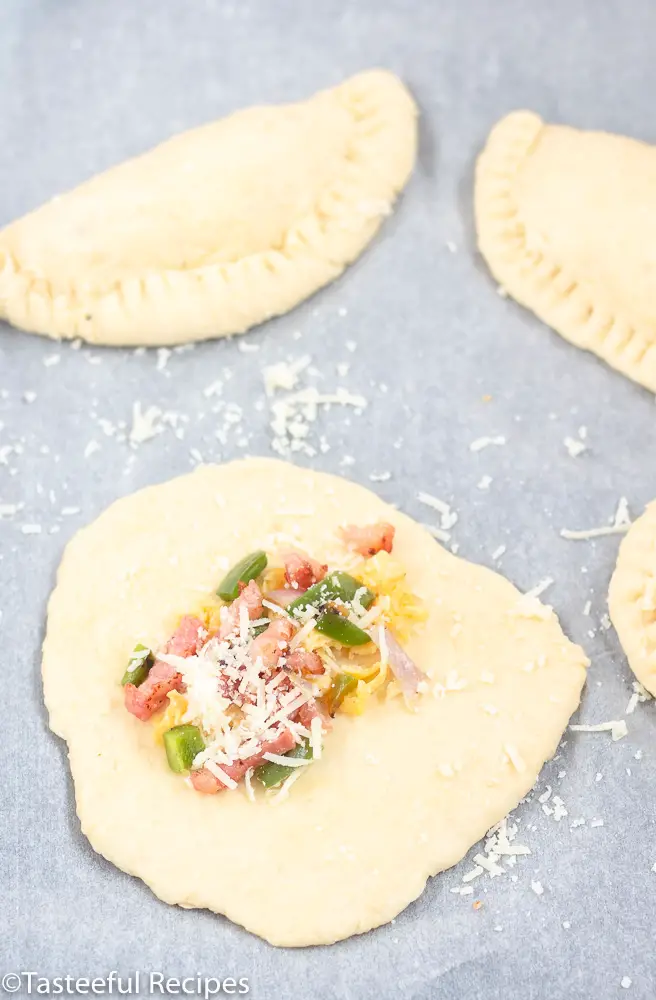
x: 182, y: 743
x: 138, y: 666
x: 336, y: 627
x: 272, y: 774
x: 244, y: 571
x: 335, y: 586
x: 342, y: 685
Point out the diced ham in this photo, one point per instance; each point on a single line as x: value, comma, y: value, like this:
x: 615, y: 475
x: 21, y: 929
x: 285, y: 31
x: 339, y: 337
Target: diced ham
x: 269, y: 646
x: 302, y: 661
x: 250, y: 598
x: 188, y: 637
x: 369, y: 539
x: 301, y: 571
x: 149, y: 697
x: 204, y: 781
x: 284, y: 595
x: 309, y: 711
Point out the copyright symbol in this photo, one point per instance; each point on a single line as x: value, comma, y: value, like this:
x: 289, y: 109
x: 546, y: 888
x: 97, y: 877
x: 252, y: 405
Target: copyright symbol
x: 11, y: 982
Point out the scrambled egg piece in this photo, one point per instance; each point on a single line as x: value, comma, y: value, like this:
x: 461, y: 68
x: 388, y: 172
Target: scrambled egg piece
x: 387, y: 578
x: 173, y: 715
x: 273, y: 579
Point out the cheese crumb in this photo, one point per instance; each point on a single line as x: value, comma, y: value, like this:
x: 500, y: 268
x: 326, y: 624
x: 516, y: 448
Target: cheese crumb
x: 515, y: 757
x: 559, y: 811
x: 485, y: 442
x: 284, y: 374
x: 489, y: 864
x: 146, y: 424
x: 625, y: 982
x: 640, y: 694
x: 574, y: 447
x: 537, y: 888
x: 473, y: 873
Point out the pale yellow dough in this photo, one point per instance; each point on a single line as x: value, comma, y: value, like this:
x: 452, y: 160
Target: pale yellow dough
x: 632, y: 597
x: 217, y: 229
x: 397, y: 795
x: 566, y: 221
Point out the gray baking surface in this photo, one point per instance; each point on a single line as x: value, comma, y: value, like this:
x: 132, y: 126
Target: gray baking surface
x: 426, y: 337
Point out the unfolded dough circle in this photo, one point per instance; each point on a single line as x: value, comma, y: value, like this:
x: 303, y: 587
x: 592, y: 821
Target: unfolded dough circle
x: 217, y: 229
x: 566, y: 221
x: 396, y: 797
x: 632, y: 597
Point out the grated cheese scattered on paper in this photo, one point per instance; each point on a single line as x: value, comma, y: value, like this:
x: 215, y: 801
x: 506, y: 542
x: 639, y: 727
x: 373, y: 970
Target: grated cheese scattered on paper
x: 574, y: 447
x: 617, y: 729
x: 146, y: 424
x: 640, y: 694
x: 540, y: 587
x: 448, y: 517
x: 620, y: 524
x: 284, y: 375
x: 486, y: 442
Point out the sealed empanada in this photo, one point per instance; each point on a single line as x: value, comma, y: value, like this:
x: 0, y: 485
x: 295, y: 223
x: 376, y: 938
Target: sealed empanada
x: 632, y: 597
x: 217, y: 229
x: 566, y: 221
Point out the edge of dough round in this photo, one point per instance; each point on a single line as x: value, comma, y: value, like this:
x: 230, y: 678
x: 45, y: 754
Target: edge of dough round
x: 366, y: 829
x: 171, y: 306
x: 632, y: 597
x: 557, y: 295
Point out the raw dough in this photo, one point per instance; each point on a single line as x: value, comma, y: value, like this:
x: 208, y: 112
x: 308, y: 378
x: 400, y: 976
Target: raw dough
x: 397, y: 796
x: 217, y: 229
x: 632, y: 597
x: 567, y: 224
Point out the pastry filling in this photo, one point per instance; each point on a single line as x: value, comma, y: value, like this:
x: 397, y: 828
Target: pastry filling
x: 247, y: 688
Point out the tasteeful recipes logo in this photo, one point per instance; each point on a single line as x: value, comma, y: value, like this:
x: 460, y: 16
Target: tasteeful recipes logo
x: 113, y: 984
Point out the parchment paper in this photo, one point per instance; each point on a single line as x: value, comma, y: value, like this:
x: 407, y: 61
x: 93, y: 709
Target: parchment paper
x: 442, y: 359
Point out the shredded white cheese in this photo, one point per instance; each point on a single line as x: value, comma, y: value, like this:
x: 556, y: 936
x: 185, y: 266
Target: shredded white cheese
x: 382, y: 646
x: 284, y: 375
x: 540, y: 587
x: 283, y: 792
x: 489, y: 864
x: 620, y: 525
x: 617, y: 728
x: 278, y: 758
x: 316, y: 731
x: 221, y: 775
x: 248, y: 785
x: 515, y: 757
x: 485, y: 442
x: 640, y: 694
x: 448, y: 517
